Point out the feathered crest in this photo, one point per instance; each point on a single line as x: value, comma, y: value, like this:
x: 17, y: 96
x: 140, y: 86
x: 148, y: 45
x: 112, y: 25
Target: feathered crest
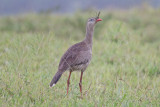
x: 98, y: 14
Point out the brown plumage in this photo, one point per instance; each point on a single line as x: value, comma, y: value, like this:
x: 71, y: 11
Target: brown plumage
x: 78, y: 56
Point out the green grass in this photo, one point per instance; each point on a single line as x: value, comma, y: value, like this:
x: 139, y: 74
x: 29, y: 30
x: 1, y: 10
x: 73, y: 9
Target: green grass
x: 124, y: 71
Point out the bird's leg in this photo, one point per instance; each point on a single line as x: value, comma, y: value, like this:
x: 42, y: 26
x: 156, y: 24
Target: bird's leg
x: 80, y: 83
x: 68, y: 82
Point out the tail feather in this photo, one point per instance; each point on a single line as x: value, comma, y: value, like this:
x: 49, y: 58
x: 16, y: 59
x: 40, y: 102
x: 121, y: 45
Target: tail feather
x: 55, y: 78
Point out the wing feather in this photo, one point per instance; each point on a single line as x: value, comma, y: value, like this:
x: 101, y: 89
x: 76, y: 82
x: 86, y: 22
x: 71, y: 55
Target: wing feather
x: 75, y: 55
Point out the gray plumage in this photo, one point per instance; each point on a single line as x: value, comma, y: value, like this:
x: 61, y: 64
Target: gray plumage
x: 79, y: 55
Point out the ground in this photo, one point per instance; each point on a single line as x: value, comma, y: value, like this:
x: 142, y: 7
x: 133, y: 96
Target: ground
x: 125, y: 66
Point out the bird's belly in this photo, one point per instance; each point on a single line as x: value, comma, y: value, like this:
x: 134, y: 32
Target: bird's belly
x: 79, y: 67
x: 82, y: 61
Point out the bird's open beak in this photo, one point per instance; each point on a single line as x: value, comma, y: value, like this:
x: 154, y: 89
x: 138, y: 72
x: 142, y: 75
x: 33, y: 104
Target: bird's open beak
x: 98, y: 20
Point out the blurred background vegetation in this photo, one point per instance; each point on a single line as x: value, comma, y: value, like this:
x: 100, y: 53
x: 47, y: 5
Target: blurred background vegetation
x: 144, y: 20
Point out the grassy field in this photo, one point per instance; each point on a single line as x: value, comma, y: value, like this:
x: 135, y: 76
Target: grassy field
x: 124, y: 71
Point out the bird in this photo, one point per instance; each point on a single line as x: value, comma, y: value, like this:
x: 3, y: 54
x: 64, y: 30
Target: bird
x: 78, y: 56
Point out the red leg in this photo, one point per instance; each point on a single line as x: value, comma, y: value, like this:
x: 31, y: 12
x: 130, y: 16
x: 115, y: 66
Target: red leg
x: 80, y: 83
x: 68, y: 82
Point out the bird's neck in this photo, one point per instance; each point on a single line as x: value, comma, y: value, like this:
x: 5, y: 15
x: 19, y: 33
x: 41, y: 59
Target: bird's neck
x: 89, y: 36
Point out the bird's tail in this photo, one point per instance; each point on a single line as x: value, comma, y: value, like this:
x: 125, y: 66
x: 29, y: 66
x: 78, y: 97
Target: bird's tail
x: 55, y: 79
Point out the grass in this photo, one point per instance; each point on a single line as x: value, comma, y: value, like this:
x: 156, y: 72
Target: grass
x: 124, y: 71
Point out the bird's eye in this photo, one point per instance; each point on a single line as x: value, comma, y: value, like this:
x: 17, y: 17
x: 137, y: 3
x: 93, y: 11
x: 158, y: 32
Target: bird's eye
x: 91, y: 19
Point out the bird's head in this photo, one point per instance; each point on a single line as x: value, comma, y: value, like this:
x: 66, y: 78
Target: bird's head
x: 92, y: 21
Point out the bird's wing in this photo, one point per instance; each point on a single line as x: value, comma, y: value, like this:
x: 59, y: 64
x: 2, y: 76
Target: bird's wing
x: 75, y: 55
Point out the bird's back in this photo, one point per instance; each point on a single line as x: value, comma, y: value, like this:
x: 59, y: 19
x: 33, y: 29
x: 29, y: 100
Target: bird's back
x: 77, y: 57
